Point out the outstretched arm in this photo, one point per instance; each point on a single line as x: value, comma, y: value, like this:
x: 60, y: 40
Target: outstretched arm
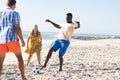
x: 54, y: 24
x: 78, y: 23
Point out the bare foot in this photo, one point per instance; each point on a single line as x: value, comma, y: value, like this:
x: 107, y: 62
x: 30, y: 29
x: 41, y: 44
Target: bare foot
x: 60, y: 69
x: 43, y: 67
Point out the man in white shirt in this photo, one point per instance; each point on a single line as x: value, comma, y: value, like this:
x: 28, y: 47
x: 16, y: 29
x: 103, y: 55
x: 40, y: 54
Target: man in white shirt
x: 64, y: 37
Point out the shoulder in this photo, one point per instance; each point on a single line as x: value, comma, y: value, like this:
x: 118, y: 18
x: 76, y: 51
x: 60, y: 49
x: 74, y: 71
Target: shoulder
x: 74, y: 24
x: 16, y: 13
x: 1, y: 12
x: 12, y: 11
x: 30, y: 34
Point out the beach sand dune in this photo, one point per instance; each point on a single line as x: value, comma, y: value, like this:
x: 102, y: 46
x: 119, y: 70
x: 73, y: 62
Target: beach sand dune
x: 84, y: 60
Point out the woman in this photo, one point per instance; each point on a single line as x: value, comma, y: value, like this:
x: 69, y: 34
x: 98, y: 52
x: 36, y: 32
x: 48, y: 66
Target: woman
x: 34, y: 44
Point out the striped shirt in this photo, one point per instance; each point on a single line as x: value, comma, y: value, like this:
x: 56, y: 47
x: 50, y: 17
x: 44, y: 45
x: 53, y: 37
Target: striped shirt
x: 8, y: 19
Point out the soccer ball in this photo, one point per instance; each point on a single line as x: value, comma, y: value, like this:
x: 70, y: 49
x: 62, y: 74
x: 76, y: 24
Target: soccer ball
x: 36, y: 69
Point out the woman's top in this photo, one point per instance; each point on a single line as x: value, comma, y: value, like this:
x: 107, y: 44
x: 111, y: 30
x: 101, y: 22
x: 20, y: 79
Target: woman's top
x: 34, y: 43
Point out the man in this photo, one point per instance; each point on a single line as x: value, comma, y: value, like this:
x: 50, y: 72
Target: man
x: 64, y: 37
x: 9, y: 30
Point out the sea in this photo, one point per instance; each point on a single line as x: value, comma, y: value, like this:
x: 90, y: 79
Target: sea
x: 49, y: 37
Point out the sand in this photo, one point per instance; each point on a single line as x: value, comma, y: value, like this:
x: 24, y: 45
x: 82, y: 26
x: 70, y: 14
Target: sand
x: 84, y: 60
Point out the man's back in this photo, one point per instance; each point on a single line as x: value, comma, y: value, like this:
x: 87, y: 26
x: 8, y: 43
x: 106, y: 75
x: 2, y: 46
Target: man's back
x: 7, y: 20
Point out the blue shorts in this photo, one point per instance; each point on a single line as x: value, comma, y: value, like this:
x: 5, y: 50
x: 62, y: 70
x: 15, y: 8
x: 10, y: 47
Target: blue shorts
x: 60, y: 44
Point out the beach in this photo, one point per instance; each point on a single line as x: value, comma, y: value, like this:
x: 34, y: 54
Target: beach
x: 84, y: 60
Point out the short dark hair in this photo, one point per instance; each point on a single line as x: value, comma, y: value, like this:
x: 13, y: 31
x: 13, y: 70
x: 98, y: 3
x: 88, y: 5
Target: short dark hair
x: 11, y: 2
x: 69, y: 14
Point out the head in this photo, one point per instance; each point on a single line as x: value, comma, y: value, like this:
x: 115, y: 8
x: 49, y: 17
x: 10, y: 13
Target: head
x: 69, y: 17
x: 11, y: 3
x: 35, y: 30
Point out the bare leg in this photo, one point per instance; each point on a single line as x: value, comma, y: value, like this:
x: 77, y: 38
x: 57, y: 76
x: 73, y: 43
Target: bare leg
x: 20, y: 63
x: 29, y: 58
x: 2, y: 57
x: 38, y: 57
x: 61, y: 62
x: 48, y: 57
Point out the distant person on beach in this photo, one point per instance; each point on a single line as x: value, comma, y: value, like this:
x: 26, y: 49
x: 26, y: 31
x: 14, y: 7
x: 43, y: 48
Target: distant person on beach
x: 64, y: 37
x: 10, y: 33
x: 34, y: 44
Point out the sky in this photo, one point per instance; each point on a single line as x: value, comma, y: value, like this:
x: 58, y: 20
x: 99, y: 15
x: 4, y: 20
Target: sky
x: 95, y: 16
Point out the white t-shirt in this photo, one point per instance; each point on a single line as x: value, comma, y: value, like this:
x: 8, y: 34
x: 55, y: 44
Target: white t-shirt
x: 67, y: 30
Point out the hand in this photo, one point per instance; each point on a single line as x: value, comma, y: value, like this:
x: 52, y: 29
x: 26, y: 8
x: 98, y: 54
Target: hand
x: 47, y: 20
x: 78, y: 24
x: 23, y: 43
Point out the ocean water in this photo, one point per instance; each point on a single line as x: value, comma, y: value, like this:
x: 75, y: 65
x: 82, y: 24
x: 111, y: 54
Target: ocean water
x: 45, y: 35
x: 49, y: 37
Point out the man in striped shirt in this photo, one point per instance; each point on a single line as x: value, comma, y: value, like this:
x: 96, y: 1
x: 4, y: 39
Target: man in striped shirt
x: 10, y: 33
